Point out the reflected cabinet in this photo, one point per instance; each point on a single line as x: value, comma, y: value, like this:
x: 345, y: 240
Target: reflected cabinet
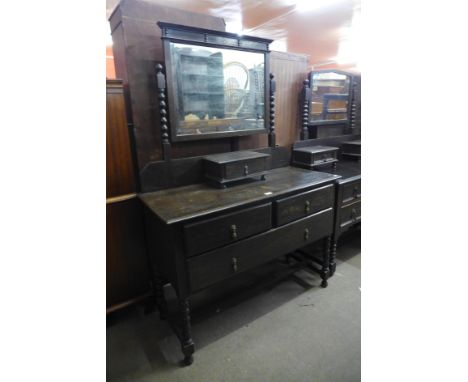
x: 216, y: 83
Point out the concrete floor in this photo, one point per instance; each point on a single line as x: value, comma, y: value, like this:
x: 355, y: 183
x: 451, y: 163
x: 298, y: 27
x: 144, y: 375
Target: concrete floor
x: 290, y: 330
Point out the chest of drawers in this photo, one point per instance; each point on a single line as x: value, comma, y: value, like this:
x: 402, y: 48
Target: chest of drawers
x: 199, y: 235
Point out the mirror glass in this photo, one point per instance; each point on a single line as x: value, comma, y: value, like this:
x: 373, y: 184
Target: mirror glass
x: 217, y: 90
x: 330, y: 95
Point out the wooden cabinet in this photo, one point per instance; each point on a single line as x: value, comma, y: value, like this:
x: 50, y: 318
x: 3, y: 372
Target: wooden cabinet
x: 127, y: 275
x: 199, y: 235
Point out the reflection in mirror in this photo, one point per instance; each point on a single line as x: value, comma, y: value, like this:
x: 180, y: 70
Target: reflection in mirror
x: 330, y: 95
x: 217, y: 90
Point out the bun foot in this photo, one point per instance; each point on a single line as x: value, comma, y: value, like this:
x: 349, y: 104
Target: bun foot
x: 324, y: 283
x: 188, y: 360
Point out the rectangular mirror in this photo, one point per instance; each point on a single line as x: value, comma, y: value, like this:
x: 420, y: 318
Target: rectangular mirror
x: 330, y: 96
x: 217, y: 83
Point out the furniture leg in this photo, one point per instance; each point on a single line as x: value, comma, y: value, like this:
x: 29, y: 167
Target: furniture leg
x: 188, y: 347
x: 159, y: 294
x: 332, y: 258
x: 324, y: 274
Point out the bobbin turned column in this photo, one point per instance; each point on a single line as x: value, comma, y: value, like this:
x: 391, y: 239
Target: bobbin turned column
x: 272, y: 135
x: 188, y: 347
x: 325, y: 272
x: 305, y: 97
x: 161, y: 87
x: 333, y: 258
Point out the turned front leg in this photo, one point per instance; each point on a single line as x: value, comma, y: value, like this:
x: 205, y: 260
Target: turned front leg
x: 159, y: 295
x: 333, y: 258
x: 188, y: 347
x: 324, y: 274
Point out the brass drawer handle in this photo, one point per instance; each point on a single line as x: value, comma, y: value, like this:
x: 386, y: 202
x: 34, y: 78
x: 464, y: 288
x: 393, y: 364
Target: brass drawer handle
x: 307, y: 206
x: 246, y: 169
x: 355, y: 191
x: 306, y: 234
x: 353, y: 214
x: 234, y: 264
x: 233, y: 232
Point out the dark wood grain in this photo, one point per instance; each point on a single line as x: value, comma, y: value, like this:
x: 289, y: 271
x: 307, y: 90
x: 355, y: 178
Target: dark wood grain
x: 199, y: 200
x: 127, y: 274
x: 120, y: 178
x: 303, y: 204
x: 215, y: 266
x: 212, y: 233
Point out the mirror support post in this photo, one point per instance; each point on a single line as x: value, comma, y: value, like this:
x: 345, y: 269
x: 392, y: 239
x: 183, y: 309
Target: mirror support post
x: 161, y: 86
x: 305, y: 96
x: 271, y: 135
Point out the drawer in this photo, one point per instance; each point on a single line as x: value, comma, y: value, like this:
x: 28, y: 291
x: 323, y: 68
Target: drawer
x: 244, y: 168
x: 350, y: 215
x: 304, y: 204
x: 213, y: 233
x: 351, y: 192
x: 220, y: 264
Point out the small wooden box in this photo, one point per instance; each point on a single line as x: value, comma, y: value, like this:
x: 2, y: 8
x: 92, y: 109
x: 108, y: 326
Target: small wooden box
x: 312, y: 156
x: 352, y: 149
x: 230, y: 167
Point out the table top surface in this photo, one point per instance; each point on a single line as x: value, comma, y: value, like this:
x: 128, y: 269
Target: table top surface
x: 183, y: 203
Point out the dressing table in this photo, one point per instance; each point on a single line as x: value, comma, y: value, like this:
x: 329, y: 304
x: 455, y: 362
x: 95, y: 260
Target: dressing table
x: 198, y: 234
x: 330, y: 101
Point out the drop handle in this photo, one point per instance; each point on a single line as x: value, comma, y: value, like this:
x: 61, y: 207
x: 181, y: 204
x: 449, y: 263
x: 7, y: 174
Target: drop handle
x: 306, y: 234
x: 246, y: 170
x: 233, y: 232
x: 355, y: 191
x: 307, y: 206
x: 234, y: 264
x: 353, y: 214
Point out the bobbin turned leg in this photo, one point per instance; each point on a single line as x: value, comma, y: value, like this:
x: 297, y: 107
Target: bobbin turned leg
x: 332, y: 258
x: 159, y: 295
x: 324, y: 274
x: 188, y: 347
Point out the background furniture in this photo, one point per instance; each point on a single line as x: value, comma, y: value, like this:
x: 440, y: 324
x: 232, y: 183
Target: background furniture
x: 127, y: 274
x: 331, y: 104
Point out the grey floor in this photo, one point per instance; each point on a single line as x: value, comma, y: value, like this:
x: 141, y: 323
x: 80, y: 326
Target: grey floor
x: 288, y: 330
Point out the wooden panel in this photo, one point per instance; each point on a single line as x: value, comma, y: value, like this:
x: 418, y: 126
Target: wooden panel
x: 137, y: 50
x: 351, y: 191
x: 212, y: 233
x: 220, y: 264
x: 119, y: 166
x: 290, y: 71
x: 307, y: 203
x: 127, y: 264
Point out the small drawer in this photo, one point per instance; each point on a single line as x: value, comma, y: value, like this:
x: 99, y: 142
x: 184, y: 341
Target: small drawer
x: 225, y: 262
x: 351, y: 192
x: 301, y: 205
x: 213, y: 233
x: 350, y: 215
x: 245, y: 168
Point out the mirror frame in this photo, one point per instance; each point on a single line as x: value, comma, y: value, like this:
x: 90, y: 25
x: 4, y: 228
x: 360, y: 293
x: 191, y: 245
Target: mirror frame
x: 216, y: 39
x: 322, y: 122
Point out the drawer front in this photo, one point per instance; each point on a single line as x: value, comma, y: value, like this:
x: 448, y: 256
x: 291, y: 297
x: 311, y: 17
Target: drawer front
x: 351, y: 192
x: 213, y: 233
x: 350, y: 215
x: 304, y: 204
x: 215, y: 266
x: 244, y: 168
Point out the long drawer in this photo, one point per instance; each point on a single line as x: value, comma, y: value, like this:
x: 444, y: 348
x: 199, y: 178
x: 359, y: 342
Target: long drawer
x: 215, y: 266
x: 351, y: 192
x: 304, y: 204
x: 213, y: 233
x: 350, y: 215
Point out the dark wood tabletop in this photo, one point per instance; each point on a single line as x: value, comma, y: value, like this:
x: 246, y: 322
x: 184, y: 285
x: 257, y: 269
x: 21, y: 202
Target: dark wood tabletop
x: 183, y: 203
